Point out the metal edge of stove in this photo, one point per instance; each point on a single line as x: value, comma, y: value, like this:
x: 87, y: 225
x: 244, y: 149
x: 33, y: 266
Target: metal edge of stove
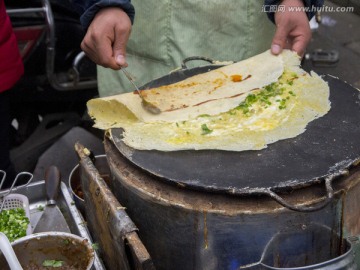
x: 81, y: 224
x: 37, y: 200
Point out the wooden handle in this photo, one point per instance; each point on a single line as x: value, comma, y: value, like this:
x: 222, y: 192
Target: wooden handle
x: 52, y: 184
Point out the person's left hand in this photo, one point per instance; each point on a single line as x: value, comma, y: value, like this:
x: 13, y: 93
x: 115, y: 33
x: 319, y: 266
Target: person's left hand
x: 292, y: 28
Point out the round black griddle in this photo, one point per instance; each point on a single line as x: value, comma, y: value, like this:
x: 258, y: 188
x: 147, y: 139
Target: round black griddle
x: 328, y: 146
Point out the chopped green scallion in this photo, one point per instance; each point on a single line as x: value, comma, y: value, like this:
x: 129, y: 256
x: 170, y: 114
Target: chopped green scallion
x: 205, y: 129
x: 14, y: 223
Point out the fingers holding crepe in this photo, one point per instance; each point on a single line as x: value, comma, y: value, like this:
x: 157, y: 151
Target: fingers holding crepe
x: 292, y: 28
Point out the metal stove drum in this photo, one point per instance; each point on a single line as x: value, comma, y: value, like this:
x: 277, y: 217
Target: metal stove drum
x: 292, y: 205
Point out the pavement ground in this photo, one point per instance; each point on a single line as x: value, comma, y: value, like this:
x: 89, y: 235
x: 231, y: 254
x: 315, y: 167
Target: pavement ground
x: 338, y: 31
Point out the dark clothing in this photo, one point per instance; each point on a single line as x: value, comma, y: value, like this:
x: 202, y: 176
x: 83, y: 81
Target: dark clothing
x: 88, y: 8
x: 11, y: 69
x: 309, y: 4
x: 5, y: 163
x: 11, y: 66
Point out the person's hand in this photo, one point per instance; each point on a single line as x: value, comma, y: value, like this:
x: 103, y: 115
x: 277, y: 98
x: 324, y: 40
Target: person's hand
x: 292, y: 28
x: 106, y: 38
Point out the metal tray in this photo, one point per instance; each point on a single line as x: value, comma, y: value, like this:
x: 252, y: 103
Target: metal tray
x: 37, y: 200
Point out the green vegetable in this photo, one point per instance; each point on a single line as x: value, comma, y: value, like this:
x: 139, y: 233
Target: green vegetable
x: 263, y: 97
x: 232, y: 112
x: 243, y: 107
x: 294, y: 75
x: 250, y: 99
x: 13, y: 223
x: 205, y: 129
x: 292, y: 93
x: 66, y: 241
x: 282, y: 104
x: 95, y: 246
x: 40, y: 208
x: 52, y: 263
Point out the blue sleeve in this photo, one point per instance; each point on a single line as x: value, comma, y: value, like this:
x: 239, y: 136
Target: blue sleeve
x: 88, y: 8
x: 311, y: 5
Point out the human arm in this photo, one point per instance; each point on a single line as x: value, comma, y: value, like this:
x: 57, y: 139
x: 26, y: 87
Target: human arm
x: 292, y: 24
x: 108, y: 24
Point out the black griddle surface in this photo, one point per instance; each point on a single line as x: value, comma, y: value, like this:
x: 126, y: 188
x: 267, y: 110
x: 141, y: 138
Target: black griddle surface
x: 330, y: 144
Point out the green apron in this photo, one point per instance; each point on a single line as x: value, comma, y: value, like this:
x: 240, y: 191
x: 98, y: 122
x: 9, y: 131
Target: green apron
x: 167, y: 31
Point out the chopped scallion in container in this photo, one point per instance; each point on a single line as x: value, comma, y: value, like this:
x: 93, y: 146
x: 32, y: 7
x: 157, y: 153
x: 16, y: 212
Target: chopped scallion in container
x: 14, y: 223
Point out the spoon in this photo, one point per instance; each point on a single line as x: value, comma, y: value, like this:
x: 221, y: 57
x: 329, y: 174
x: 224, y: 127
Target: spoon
x: 148, y: 106
x: 8, y: 251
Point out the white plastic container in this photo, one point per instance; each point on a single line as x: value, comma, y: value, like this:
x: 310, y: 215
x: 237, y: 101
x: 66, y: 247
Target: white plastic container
x: 13, y: 201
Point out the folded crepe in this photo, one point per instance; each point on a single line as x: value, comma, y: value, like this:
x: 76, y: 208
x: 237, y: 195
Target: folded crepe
x: 242, y: 106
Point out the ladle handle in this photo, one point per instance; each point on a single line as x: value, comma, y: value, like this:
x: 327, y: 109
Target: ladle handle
x: 9, y: 253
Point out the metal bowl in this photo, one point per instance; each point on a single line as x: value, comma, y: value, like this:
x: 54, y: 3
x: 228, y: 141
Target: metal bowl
x: 33, y: 250
x: 101, y: 165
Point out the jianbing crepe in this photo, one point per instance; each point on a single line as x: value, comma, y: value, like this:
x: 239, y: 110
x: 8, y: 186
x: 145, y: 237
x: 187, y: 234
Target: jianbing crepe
x: 242, y: 106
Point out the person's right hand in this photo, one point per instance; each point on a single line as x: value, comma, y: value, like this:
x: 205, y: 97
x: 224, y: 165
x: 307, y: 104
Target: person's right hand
x: 106, y: 38
x: 292, y: 28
